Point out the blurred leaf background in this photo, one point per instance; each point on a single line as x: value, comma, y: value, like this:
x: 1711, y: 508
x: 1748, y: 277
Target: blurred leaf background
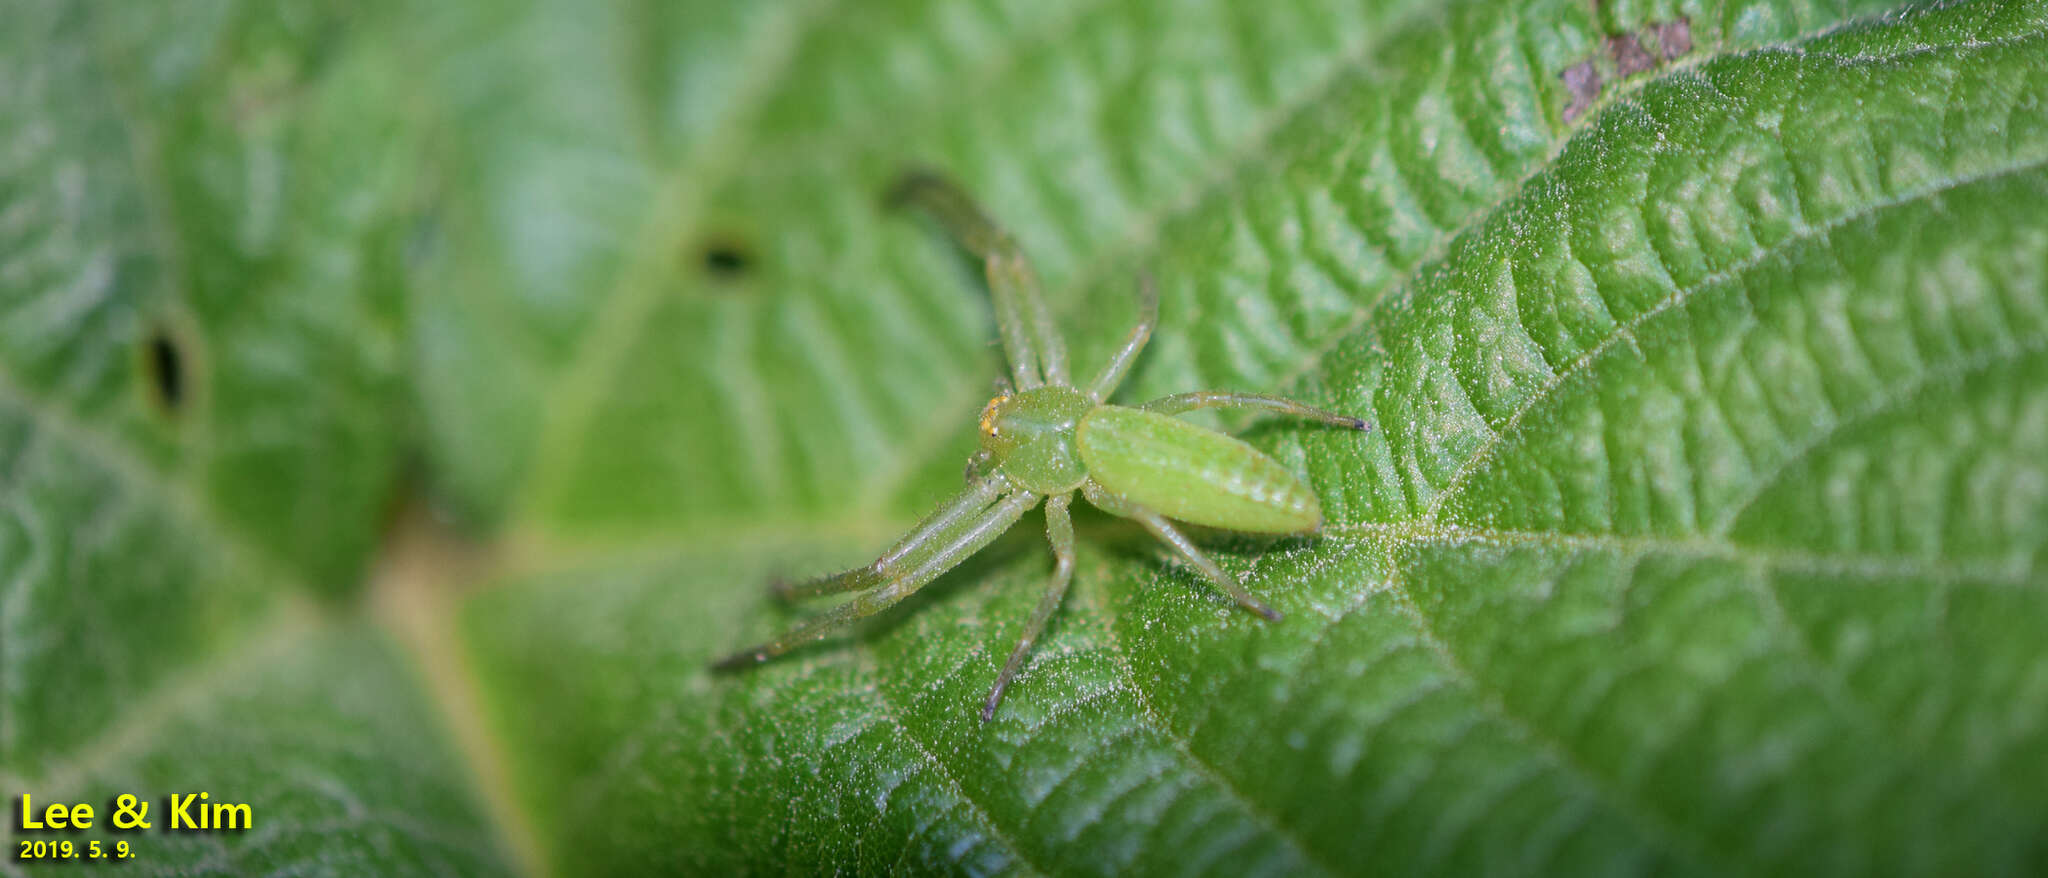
x: 400, y: 403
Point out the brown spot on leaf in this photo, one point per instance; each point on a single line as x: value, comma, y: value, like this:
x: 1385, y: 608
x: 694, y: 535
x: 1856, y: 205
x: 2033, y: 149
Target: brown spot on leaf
x: 1582, y: 80
x: 1630, y: 58
x: 1674, y: 38
x: 1628, y: 54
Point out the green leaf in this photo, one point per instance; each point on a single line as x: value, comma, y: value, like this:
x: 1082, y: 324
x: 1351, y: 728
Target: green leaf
x: 203, y: 213
x: 1702, y: 530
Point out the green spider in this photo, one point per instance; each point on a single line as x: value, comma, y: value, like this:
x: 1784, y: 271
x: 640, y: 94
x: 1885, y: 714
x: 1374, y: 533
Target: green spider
x: 1042, y: 439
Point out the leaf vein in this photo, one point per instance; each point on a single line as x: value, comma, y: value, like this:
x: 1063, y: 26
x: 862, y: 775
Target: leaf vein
x: 1182, y: 744
x: 620, y: 315
x: 909, y: 734
x: 1678, y: 298
x: 1922, y: 382
x: 1651, y: 823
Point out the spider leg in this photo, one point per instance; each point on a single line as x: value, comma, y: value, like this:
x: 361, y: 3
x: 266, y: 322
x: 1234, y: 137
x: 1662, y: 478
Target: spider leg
x: 919, y: 567
x: 958, y: 511
x: 1171, y: 536
x: 1120, y: 363
x: 1059, y: 530
x: 976, y: 463
x: 1037, y: 354
x: 1203, y: 399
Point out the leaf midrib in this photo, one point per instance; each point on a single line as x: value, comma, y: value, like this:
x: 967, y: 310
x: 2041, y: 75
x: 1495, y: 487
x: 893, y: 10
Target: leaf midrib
x: 1404, y: 536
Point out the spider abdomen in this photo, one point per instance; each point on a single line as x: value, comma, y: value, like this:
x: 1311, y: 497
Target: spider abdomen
x: 1197, y: 475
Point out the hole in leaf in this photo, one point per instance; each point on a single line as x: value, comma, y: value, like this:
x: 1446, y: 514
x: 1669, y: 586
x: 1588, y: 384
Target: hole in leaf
x: 165, y: 363
x: 726, y: 260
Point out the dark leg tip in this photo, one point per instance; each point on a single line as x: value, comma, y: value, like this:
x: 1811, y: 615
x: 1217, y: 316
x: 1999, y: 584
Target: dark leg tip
x: 904, y: 188
x: 1360, y: 425
x: 988, y: 708
x: 1270, y: 614
x: 739, y: 660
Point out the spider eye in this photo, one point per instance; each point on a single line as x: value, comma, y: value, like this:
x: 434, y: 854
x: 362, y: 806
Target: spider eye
x: 988, y: 415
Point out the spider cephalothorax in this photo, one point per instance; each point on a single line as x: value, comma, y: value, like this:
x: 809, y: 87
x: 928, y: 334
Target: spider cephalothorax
x: 1029, y: 437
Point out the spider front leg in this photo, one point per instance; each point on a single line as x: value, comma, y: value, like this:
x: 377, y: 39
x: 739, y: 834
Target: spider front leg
x: 1120, y: 363
x: 914, y: 568
x: 1032, y: 343
x: 962, y: 508
x: 1203, y: 399
x: 1168, y: 534
x: 1059, y: 530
